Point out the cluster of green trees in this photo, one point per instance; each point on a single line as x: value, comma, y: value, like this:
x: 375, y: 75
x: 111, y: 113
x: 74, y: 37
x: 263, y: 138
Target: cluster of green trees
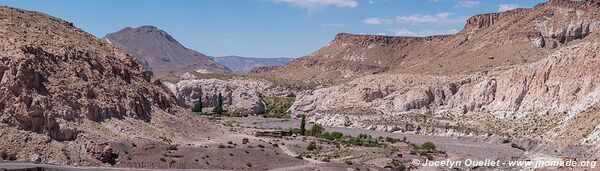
x: 277, y: 107
x: 361, y: 140
x: 218, y: 109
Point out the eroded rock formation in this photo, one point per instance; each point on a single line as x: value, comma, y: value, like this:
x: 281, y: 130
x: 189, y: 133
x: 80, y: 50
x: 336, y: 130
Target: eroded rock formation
x: 54, y: 76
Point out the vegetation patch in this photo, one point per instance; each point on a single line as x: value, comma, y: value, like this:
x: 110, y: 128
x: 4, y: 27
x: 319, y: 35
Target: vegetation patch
x: 277, y: 107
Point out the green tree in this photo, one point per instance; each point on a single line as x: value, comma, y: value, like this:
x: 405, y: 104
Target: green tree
x: 337, y: 135
x: 303, y: 125
x: 317, y: 130
x: 198, y: 106
x: 428, y: 146
x: 219, y: 106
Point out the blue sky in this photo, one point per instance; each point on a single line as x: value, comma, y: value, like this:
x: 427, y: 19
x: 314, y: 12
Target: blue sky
x: 268, y: 28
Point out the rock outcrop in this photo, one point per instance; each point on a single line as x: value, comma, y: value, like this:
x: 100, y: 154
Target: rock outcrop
x: 54, y: 76
x: 240, y: 95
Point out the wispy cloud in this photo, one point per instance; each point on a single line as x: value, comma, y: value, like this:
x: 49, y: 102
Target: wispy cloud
x: 375, y: 21
x: 466, y: 4
x: 333, y: 24
x: 426, y: 32
x: 443, y: 17
x: 316, y: 4
x: 506, y: 7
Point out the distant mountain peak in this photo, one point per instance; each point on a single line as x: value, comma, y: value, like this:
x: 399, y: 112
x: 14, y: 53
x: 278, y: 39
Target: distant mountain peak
x: 163, y: 53
x: 245, y: 64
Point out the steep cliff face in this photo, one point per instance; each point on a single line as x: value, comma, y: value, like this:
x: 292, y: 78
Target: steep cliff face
x: 162, y: 53
x: 240, y: 95
x: 487, y: 41
x: 54, y: 76
x: 537, y: 100
x: 527, y: 89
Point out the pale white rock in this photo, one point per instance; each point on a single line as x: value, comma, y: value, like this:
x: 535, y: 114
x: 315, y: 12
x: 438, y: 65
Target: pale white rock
x: 518, y: 100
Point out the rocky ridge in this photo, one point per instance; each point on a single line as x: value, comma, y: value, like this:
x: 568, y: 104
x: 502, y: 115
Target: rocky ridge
x: 245, y: 64
x: 487, y: 41
x: 544, y: 100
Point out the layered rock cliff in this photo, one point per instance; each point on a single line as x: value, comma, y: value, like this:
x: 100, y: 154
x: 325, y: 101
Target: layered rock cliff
x: 487, y: 41
x: 513, y: 79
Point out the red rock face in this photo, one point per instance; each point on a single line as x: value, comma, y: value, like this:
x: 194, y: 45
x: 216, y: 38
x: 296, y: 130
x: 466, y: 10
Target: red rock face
x: 53, y: 75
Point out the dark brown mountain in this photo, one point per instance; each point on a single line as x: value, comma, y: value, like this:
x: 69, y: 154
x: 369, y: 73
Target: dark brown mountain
x: 163, y: 54
x: 487, y: 41
x: 245, y: 64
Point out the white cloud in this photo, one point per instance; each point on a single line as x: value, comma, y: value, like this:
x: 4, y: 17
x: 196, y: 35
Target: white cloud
x: 467, y: 4
x: 426, y: 32
x: 315, y: 4
x: 506, y: 7
x: 371, y: 1
x: 375, y: 21
x: 437, y: 18
x: 334, y: 24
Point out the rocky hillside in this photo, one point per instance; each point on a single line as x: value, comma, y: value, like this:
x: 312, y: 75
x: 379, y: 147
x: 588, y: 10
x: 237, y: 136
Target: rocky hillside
x: 59, y: 84
x: 53, y: 74
x: 487, y: 41
x: 546, y: 96
x: 245, y: 64
x: 163, y: 54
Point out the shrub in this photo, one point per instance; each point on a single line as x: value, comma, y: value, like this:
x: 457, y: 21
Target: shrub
x: 296, y: 130
x: 391, y: 140
x: 327, y: 136
x: 3, y: 155
x: 428, y: 146
x: 275, y: 145
x: 277, y: 107
x: 337, y: 135
x: 221, y: 146
x: 317, y: 130
x: 348, y: 162
x: 249, y: 164
x: 311, y: 146
x: 172, y: 147
x: 299, y: 157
